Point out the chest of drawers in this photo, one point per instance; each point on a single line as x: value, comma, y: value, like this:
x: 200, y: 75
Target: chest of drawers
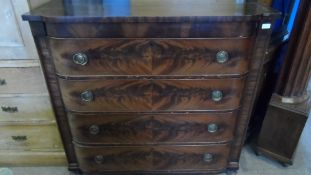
x: 152, y: 87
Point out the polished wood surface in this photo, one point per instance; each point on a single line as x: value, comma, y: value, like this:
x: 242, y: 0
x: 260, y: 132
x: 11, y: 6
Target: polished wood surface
x: 188, y: 57
x: 152, y: 158
x: 152, y: 71
x: 152, y: 95
x: 147, y: 11
x: 152, y: 128
x: 232, y: 29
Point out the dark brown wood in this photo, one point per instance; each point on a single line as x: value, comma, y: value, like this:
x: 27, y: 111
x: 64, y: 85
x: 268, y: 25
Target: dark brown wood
x: 151, y: 95
x: 56, y: 100
x: 152, y: 30
x: 281, y: 129
x: 151, y: 56
x: 113, y: 129
x: 139, y: 11
x: 151, y: 72
x: 255, y: 71
x: 173, y: 158
x: 289, y: 106
x: 296, y: 69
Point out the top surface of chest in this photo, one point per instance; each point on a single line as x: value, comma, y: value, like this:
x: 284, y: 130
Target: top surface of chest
x: 147, y: 11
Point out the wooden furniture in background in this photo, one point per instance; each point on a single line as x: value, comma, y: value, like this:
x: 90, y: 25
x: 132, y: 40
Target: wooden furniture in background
x: 28, y: 131
x: 289, y: 106
x: 141, y: 87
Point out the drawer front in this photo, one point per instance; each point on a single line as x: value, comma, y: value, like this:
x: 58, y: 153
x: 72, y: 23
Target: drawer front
x: 84, y: 57
x: 25, y: 108
x: 22, y: 80
x: 29, y: 137
x: 152, y: 158
x: 151, y: 95
x: 152, y: 128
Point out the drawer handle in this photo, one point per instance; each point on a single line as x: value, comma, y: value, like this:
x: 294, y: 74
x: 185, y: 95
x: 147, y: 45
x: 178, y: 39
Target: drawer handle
x: 80, y: 58
x: 212, y: 127
x: 2, y: 82
x: 99, y: 159
x: 222, y: 57
x: 87, y: 96
x: 9, y: 109
x: 208, y: 157
x: 217, y: 95
x: 19, y: 138
x: 94, y: 129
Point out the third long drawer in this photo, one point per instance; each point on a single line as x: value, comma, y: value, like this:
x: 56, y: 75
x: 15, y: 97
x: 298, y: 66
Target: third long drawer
x: 129, y: 128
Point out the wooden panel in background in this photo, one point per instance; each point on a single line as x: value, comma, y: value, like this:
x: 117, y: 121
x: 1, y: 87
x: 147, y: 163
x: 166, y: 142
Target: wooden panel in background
x: 16, y: 41
x: 22, y: 80
x: 30, y: 137
x: 25, y: 108
x: 13, y: 158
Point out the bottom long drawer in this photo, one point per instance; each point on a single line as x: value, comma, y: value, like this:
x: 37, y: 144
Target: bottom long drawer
x: 152, y: 158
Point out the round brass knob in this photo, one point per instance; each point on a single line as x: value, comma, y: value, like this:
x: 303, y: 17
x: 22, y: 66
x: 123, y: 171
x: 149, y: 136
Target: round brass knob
x: 87, y: 96
x: 212, y: 127
x: 222, y: 56
x: 94, y: 129
x: 80, y: 58
x: 99, y: 159
x: 208, y: 157
x: 217, y: 95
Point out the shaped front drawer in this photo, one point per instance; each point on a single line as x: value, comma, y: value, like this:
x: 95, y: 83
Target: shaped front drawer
x: 100, y: 95
x: 29, y: 137
x: 25, y: 108
x: 84, y: 57
x: 152, y: 158
x: 152, y: 128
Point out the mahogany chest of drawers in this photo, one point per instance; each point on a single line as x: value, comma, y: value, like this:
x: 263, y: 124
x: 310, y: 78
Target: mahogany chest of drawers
x: 152, y: 87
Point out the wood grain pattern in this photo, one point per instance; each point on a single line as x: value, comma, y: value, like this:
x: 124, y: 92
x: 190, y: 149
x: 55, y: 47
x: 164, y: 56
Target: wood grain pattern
x: 249, y: 94
x: 152, y: 128
x: 295, y: 72
x: 30, y: 137
x: 29, y: 109
x: 152, y: 158
x: 152, y: 30
x: 151, y: 95
x: 22, y: 80
x: 150, y: 56
x: 137, y: 11
x: 168, y: 86
x: 51, y: 79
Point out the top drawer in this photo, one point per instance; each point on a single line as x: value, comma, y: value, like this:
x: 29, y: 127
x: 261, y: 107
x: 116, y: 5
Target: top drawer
x: 176, y: 57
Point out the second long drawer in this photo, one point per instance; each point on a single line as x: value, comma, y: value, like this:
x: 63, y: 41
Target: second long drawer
x: 102, y: 95
x: 152, y: 128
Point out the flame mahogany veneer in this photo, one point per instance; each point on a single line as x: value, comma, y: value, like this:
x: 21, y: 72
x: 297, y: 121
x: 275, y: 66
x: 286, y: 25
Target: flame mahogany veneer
x: 152, y: 87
